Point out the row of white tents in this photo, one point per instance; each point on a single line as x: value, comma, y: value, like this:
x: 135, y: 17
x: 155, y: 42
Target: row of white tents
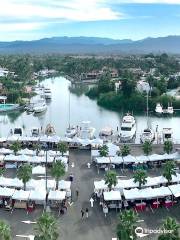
x: 33, y: 195
x: 136, y: 159
x: 52, y: 139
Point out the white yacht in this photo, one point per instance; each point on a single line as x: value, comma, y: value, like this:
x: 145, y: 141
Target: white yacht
x: 169, y: 111
x: 86, y: 131
x: 147, y: 135
x: 40, y: 107
x: 106, y: 132
x: 47, y: 93
x: 71, y: 132
x: 167, y: 134
x: 128, y: 128
x: 159, y: 109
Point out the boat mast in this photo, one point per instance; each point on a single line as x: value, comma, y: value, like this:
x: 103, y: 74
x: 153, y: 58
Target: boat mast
x: 147, y: 108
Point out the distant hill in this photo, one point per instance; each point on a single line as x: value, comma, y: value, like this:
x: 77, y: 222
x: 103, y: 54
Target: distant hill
x: 94, y: 45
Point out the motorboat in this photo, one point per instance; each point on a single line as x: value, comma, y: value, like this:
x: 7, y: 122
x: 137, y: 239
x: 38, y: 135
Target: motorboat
x: 169, y: 110
x: 71, y: 132
x: 86, y: 131
x: 128, y: 128
x: 18, y: 131
x: 40, y: 107
x: 158, y: 109
x: 167, y: 134
x: 49, y: 130
x: 47, y: 93
x: 147, y: 135
x: 106, y: 132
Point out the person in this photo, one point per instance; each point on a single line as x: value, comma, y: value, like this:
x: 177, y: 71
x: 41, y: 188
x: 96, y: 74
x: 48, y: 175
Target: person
x: 71, y: 177
x: 77, y: 193
x: 88, y: 165
x: 91, y: 201
x: 87, y: 212
x: 82, y: 213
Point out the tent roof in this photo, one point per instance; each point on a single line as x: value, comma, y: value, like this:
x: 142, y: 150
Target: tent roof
x: 39, y: 195
x: 6, y: 192
x: 57, y: 195
x: 112, y: 195
x: 21, y: 195
x: 38, y: 170
x: 64, y: 184
x: 175, y: 189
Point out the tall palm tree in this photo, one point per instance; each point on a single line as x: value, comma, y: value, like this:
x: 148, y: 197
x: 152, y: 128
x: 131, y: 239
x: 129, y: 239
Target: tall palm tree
x: 2, y: 170
x: 46, y: 227
x: 171, y: 227
x: 57, y: 171
x: 140, y: 176
x: 24, y: 173
x: 147, y: 147
x: 126, y: 225
x: 111, y: 179
x: 16, y: 146
x: 62, y: 147
x: 125, y: 150
x: 168, y: 147
x: 5, y: 231
x: 169, y: 170
x: 103, y: 151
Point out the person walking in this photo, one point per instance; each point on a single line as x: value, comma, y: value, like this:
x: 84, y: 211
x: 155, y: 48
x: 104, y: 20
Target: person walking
x: 82, y: 213
x: 87, y: 212
x: 77, y: 193
x: 91, y: 202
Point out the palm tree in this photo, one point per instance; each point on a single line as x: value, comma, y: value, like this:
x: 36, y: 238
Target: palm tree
x: 103, y: 151
x: 24, y: 173
x: 169, y: 170
x: 147, y: 147
x: 171, y: 227
x: 57, y: 171
x: 125, y: 150
x: 62, y: 147
x: 140, y: 177
x: 126, y: 225
x: 168, y: 147
x: 111, y: 179
x: 16, y: 146
x: 5, y: 231
x: 46, y: 227
x: 2, y: 170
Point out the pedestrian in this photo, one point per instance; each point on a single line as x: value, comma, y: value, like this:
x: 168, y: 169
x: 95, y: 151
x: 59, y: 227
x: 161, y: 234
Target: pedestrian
x: 71, y: 177
x: 91, y: 201
x: 88, y: 165
x: 87, y: 212
x: 82, y: 213
x: 77, y: 193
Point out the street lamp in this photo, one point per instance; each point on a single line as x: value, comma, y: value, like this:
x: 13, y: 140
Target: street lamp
x: 46, y: 149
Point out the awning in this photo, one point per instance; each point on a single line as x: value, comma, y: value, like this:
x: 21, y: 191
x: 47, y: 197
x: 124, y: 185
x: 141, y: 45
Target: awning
x: 56, y: 195
x: 112, y: 196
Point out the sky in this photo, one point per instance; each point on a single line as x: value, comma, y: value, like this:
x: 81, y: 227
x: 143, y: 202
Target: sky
x: 117, y: 19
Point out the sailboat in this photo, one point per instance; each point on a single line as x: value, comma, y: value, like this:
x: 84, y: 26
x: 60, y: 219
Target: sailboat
x: 71, y: 131
x: 148, y: 133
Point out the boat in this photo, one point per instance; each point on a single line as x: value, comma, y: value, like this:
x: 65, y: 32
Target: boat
x: 86, y: 131
x: 49, y: 130
x: 71, y: 132
x: 40, y: 107
x: 18, y: 131
x: 47, y: 93
x: 35, y: 132
x: 128, y: 128
x: 169, y: 111
x: 147, y: 134
x: 167, y: 134
x: 106, y: 132
x: 158, y: 109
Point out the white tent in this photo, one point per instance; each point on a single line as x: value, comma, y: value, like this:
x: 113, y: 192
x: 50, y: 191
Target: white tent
x: 44, y: 138
x: 38, y: 170
x: 28, y: 139
x: 155, y: 157
x: 53, y: 139
x: 37, y: 195
x: 21, y: 195
x: 6, y: 151
x: 112, y: 196
x: 175, y: 189
x: 15, y: 182
x: 11, y: 158
x: 65, y: 185
x: 142, y: 159
x: 6, y: 192
x: 56, y: 195
x: 26, y: 151
x: 65, y: 139
x: 100, y: 185
x: 97, y: 141
x: 129, y: 159
x: 132, y: 194
x: 102, y: 160
x: 12, y: 138
x: 41, y: 184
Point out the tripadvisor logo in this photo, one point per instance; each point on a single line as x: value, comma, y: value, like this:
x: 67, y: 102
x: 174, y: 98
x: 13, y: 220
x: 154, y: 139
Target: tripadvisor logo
x: 142, y: 232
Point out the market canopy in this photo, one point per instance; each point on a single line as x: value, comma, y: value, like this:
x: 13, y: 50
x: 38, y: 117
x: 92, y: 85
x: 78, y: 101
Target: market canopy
x: 100, y: 185
x: 37, y: 195
x: 39, y: 170
x: 175, y: 189
x: 6, y: 192
x: 56, y: 195
x: 21, y: 195
x: 64, y: 185
x: 112, y: 196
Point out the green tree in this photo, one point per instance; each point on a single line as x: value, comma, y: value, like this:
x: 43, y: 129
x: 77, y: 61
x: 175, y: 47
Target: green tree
x: 140, y: 176
x: 103, y: 151
x: 24, y: 173
x: 147, y: 147
x: 2, y: 170
x: 46, y: 227
x: 128, y: 84
x: 111, y: 179
x: 5, y: 231
x: 168, y: 147
x: 169, y: 170
x: 57, y: 171
x: 125, y: 150
x: 126, y: 225
x: 172, y: 228
x: 16, y: 146
x: 62, y: 147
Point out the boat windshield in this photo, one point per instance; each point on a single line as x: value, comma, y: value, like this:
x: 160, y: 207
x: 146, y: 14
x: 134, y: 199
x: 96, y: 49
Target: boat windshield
x: 125, y: 128
x: 168, y: 135
x: 18, y: 131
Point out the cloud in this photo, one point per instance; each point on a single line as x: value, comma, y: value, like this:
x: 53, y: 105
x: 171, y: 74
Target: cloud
x: 145, y: 1
x: 18, y: 27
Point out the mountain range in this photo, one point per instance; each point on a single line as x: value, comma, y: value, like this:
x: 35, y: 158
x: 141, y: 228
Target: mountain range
x: 93, y: 45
